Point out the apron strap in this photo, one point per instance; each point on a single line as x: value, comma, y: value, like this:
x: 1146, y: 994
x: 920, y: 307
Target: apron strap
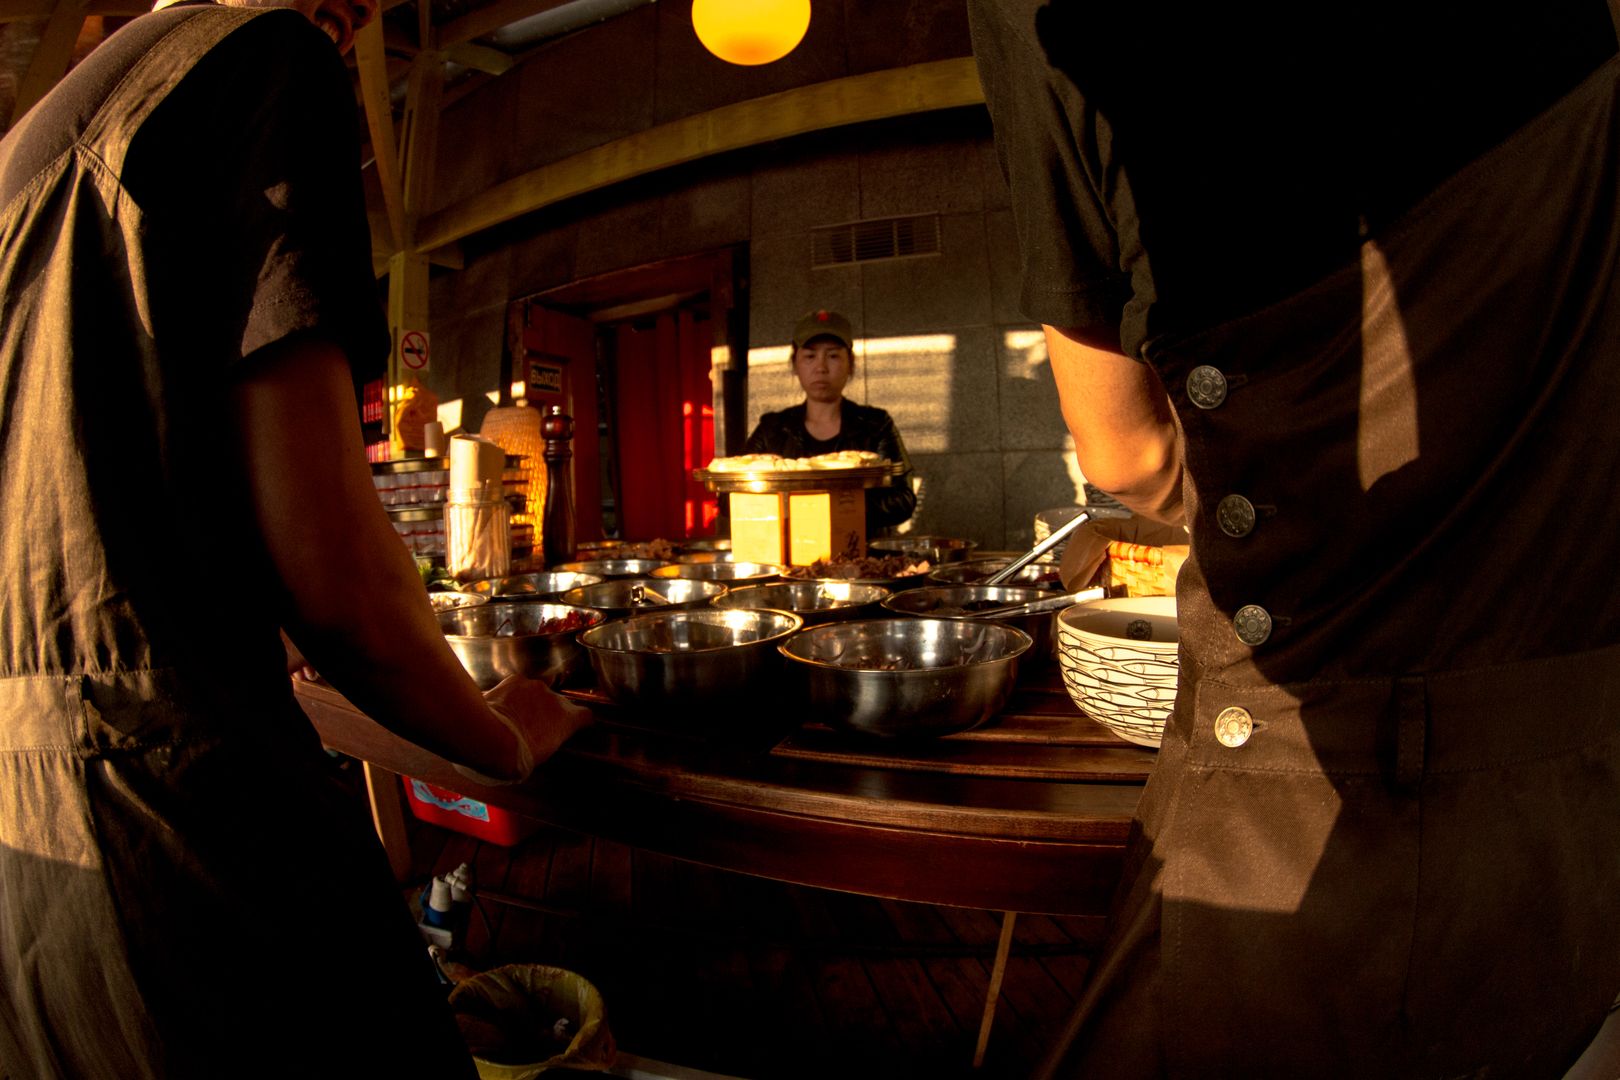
x: 155, y: 75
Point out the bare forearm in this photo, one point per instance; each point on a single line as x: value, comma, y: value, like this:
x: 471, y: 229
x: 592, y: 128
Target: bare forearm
x: 1125, y: 434
x: 351, y: 597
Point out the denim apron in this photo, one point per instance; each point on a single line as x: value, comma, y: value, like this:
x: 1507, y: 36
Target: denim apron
x: 1383, y: 836
x: 184, y: 889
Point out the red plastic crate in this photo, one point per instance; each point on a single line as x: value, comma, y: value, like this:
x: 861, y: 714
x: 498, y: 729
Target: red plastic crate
x: 452, y: 810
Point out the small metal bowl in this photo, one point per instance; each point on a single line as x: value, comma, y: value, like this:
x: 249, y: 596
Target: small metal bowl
x: 708, y: 543
x: 691, y: 668
x: 813, y: 601
x: 613, y: 568
x: 936, y: 549
x: 617, y: 598
x: 1042, y: 575
x: 736, y: 573
x: 522, y: 587
x: 705, y: 557
x: 956, y: 601
x: 497, y: 640
x: 449, y: 601
x: 906, y: 677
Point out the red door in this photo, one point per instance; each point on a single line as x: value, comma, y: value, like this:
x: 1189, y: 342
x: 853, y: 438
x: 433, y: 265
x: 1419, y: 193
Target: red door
x: 665, y: 428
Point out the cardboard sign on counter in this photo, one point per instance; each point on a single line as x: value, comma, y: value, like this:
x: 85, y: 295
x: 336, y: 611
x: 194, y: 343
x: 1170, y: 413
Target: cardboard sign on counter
x: 825, y: 525
x: 759, y: 527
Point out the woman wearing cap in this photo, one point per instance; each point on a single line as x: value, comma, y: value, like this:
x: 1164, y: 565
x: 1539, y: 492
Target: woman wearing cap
x: 827, y: 421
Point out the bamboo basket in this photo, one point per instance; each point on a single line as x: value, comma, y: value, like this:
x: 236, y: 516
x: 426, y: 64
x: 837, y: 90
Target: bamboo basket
x: 1142, y: 569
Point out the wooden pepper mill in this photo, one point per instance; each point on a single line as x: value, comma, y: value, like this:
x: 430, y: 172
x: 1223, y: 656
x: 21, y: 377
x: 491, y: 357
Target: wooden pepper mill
x: 557, y: 519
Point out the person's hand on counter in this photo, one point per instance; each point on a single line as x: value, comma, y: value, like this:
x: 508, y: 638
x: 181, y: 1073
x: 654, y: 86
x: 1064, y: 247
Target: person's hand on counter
x: 540, y: 718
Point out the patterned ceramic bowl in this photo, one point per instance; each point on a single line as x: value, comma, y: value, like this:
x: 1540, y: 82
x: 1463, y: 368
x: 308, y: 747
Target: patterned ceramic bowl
x: 1120, y: 664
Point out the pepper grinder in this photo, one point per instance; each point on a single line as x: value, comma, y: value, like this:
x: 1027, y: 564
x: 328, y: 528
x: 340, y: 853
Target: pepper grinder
x: 557, y: 519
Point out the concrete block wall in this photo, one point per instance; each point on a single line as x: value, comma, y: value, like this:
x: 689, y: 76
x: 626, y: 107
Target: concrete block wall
x: 943, y: 347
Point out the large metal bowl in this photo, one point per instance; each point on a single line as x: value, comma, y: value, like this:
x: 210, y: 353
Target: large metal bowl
x: 705, y: 557
x: 449, y: 600
x: 906, y: 677
x: 813, y: 601
x: 706, y: 543
x: 613, y: 568
x: 692, y: 668
x: 736, y: 573
x: 936, y: 549
x: 618, y: 598
x: 955, y: 601
x: 1042, y: 575
x: 544, y: 586
x: 497, y: 640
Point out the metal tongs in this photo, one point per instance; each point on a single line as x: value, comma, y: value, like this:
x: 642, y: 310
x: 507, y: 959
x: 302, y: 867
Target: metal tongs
x: 1059, y: 534
x: 1035, y: 607
x: 641, y: 596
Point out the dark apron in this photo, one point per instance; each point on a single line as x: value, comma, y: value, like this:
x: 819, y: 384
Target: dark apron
x: 184, y: 889
x: 1383, y: 837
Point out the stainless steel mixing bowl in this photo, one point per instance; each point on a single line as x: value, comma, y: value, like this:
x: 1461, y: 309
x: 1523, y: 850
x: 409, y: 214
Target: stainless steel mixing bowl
x: 936, y: 549
x: 905, y: 677
x: 737, y: 573
x: 448, y: 600
x: 617, y: 598
x: 691, y: 668
x: 543, y: 586
x: 497, y: 640
x: 613, y: 568
x: 952, y: 601
x: 1040, y: 574
x: 814, y: 601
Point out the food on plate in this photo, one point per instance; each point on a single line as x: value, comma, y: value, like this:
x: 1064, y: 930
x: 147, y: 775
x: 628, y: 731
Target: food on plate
x: 869, y: 568
x: 659, y: 549
x: 838, y: 459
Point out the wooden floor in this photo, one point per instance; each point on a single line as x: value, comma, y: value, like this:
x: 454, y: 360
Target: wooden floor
x: 754, y: 978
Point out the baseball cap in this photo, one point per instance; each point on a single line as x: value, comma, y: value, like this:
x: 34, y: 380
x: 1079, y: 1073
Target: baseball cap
x: 823, y: 323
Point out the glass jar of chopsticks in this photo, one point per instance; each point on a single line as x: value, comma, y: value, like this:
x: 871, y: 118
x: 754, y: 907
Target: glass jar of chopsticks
x: 477, y: 532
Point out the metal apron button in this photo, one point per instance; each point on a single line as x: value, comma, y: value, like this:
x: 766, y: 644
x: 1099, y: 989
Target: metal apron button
x: 1233, y: 727
x: 1206, y: 387
x: 1235, y: 515
x: 1253, y: 624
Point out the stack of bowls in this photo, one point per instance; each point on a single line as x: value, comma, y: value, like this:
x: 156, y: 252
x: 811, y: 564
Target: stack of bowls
x: 815, y: 602
x: 1120, y: 663
x: 906, y: 677
x: 692, y: 668
x: 497, y: 640
x: 634, y: 596
x: 959, y: 601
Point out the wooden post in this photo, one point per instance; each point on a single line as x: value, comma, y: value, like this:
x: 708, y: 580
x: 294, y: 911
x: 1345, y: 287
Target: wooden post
x: 1003, y: 947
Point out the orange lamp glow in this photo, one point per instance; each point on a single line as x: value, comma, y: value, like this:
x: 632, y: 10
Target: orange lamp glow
x: 750, y: 31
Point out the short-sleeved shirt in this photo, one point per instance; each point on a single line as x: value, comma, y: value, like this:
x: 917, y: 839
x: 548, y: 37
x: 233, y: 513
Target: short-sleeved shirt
x: 1173, y: 167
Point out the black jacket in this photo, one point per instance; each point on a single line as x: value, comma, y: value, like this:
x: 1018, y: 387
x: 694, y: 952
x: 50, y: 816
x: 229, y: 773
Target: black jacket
x: 861, y: 427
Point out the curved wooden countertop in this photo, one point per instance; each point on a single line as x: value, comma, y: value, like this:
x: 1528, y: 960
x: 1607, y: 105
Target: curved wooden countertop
x: 1028, y: 814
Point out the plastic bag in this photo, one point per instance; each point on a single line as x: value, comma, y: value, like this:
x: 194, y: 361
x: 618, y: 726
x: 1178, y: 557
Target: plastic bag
x: 507, y: 1016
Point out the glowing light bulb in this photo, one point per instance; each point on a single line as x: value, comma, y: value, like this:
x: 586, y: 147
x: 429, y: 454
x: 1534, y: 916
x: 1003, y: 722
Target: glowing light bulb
x: 750, y: 31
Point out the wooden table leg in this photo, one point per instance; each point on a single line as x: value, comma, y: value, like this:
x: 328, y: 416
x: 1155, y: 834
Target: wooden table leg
x: 388, y: 815
x: 1003, y: 947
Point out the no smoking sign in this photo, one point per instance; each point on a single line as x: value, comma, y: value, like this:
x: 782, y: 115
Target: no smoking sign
x: 413, y: 350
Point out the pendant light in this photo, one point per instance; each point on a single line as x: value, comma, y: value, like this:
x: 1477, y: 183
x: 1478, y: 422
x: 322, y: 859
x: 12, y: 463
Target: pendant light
x: 750, y: 31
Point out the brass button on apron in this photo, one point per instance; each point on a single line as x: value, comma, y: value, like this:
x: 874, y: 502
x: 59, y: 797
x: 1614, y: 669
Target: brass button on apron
x: 1235, y: 515
x: 1206, y: 387
x: 1233, y: 727
x: 1253, y: 624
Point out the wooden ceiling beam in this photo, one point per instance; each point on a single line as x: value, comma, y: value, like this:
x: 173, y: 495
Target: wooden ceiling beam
x: 379, y: 109
x: 487, y: 20
x: 940, y: 84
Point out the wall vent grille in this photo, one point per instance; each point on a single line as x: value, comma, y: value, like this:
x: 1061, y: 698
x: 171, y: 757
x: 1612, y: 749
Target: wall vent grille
x: 874, y: 240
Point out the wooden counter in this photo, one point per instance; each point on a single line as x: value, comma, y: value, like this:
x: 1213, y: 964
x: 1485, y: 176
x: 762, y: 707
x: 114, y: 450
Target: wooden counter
x: 1029, y: 814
